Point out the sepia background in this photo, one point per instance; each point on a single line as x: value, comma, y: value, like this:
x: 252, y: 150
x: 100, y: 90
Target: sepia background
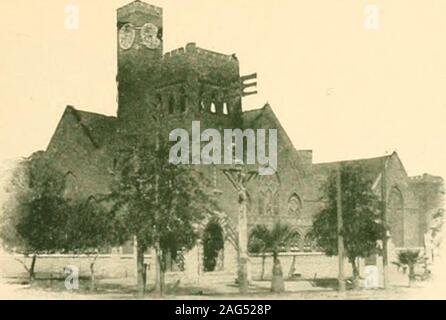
x: 338, y: 88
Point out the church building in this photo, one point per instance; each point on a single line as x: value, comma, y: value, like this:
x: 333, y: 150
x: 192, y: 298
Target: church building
x: 159, y: 91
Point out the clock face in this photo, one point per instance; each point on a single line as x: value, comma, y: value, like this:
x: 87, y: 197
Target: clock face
x: 127, y: 36
x: 149, y: 36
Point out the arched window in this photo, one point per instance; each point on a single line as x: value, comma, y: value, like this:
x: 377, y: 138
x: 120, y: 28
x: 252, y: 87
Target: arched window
x: 213, y: 108
x: 70, y: 190
x: 159, y: 103
x: 225, y: 108
x: 294, y: 205
x: 269, y: 198
x: 201, y: 98
x: 171, y: 104
x: 262, y: 202
x: 183, y: 100
x: 201, y: 106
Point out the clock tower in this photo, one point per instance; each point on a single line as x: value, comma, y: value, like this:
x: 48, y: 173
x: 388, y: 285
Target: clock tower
x: 140, y: 50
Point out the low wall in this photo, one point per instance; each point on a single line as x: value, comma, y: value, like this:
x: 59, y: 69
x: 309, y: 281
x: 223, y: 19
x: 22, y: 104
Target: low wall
x: 307, y: 265
x: 123, y: 266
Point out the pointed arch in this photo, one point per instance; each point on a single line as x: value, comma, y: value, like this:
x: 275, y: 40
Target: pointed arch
x: 261, y: 202
x: 213, y: 107
x: 171, y: 105
x: 183, y: 100
x: 201, y: 106
x: 294, y: 205
x: 70, y: 185
x: 159, y: 102
x: 225, y: 108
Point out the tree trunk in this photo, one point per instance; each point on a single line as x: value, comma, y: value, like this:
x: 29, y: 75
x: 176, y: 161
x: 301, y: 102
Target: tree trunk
x: 262, y: 275
x: 277, y: 283
x: 292, y: 268
x: 32, y: 274
x: 92, y: 274
x: 163, y: 273
x: 355, y: 274
x: 159, y: 277
x: 140, y: 269
x: 411, y: 274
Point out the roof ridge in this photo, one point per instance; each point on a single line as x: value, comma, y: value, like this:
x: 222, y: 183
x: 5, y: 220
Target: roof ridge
x: 85, y: 129
x: 90, y: 112
x: 358, y: 159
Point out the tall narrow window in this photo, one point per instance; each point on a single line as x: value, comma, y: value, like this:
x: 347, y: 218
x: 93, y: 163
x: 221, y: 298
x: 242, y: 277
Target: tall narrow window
x: 70, y: 190
x: 171, y: 104
x: 213, y: 108
x: 294, y: 205
x: 159, y: 103
x: 225, y: 108
x: 183, y: 100
x: 202, y: 106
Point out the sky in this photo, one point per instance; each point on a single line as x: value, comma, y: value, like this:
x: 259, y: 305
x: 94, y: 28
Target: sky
x: 337, y: 87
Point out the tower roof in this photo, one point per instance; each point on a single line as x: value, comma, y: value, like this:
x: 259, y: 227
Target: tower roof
x: 139, y: 6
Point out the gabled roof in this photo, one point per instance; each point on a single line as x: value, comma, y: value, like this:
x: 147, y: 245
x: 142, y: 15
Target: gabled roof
x: 265, y: 118
x: 99, y: 129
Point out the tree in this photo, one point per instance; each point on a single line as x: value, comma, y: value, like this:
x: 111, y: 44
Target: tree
x: 32, y: 218
x: 213, y: 243
x: 256, y: 244
x: 89, y: 228
x: 164, y: 204
x: 360, y: 212
x: 410, y: 258
x: 273, y: 240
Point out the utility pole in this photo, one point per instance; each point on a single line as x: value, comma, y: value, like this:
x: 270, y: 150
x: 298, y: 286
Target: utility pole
x: 341, y: 279
x: 239, y: 180
x: 384, y: 222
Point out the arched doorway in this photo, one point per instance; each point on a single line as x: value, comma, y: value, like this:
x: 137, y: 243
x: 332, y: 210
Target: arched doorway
x: 213, y: 247
x: 395, y: 216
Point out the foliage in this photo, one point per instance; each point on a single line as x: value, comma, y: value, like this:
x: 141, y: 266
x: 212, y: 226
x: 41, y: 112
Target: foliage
x: 280, y: 236
x: 90, y: 226
x: 163, y: 203
x: 262, y: 240
x: 360, y: 212
x: 410, y: 258
x: 34, y: 214
x: 213, y: 242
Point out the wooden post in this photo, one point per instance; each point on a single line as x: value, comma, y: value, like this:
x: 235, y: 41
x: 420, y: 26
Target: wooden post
x: 239, y: 180
x: 384, y: 222
x: 243, y: 244
x: 341, y: 279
